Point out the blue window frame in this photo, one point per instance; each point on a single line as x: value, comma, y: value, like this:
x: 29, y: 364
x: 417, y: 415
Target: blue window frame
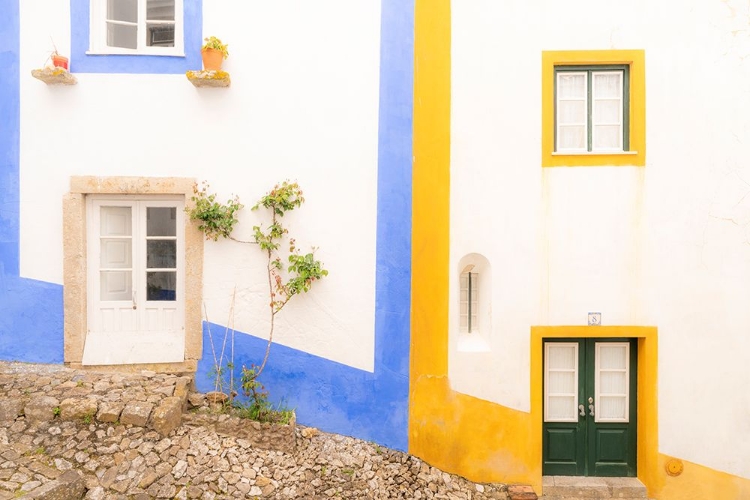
x: 81, y: 62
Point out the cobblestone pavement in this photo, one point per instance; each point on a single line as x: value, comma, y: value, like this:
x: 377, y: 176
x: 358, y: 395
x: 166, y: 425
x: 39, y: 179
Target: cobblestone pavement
x: 68, y: 434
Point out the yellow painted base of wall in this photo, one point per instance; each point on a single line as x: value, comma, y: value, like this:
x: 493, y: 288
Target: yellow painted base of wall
x: 697, y: 483
x: 482, y: 441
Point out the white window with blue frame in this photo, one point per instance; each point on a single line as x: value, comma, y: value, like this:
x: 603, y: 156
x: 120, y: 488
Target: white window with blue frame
x: 151, y: 27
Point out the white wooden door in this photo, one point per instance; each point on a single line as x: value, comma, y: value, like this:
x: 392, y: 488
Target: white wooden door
x: 136, y: 292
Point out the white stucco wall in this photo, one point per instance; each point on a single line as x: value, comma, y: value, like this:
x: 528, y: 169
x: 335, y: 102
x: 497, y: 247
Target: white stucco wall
x: 303, y: 105
x: 667, y: 245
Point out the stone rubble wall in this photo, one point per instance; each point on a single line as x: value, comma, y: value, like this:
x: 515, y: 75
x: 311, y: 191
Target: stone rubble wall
x: 84, y: 450
x: 147, y: 399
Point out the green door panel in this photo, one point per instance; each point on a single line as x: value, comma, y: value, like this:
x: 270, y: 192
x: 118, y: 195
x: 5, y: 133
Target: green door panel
x: 563, y: 449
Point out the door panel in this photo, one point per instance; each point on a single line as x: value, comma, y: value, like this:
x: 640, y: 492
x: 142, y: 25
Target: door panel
x: 601, y: 440
x: 136, y: 281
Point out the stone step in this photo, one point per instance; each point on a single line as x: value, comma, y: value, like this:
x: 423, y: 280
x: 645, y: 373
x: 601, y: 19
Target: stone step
x: 576, y: 487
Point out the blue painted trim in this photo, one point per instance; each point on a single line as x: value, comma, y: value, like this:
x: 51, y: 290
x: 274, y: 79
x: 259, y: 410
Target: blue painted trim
x: 30, y: 311
x: 326, y: 394
x: 80, y: 62
x: 10, y: 111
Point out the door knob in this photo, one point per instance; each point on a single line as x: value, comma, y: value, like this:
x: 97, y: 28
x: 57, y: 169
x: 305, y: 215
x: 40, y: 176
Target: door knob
x: 591, y: 410
x: 581, y: 410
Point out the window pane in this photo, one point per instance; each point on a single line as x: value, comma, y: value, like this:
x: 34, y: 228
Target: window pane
x: 160, y: 10
x: 122, y: 36
x: 571, y: 137
x: 607, y: 85
x: 161, y: 254
x: 116, y: 253
x: 607, y: 112
x: 161, y: 285
x: 607, y: 137
x: 161, y: 221
x: 571, y: 85
x: 571, y: 112
x: 160, y: 35
x: 116, y: 285
x: 122, y: 10
x: 115, y: 221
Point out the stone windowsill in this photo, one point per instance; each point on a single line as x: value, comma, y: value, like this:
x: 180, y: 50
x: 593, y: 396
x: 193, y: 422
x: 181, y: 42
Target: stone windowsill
x: 54, y: 76
x: 205, y: 78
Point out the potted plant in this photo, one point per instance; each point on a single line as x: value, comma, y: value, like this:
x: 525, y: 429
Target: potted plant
x: 213, y: 52
x: 58, y: 61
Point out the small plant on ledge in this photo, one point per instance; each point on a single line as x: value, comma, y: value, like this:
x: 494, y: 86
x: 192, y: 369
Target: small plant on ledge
x: 213, y: 52
x: 302, y: 271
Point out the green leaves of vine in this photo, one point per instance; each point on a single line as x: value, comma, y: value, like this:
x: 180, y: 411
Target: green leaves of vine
x: 218, y: 220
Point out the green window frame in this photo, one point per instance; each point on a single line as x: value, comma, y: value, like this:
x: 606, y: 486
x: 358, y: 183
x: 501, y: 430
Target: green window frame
x: 567, y: 102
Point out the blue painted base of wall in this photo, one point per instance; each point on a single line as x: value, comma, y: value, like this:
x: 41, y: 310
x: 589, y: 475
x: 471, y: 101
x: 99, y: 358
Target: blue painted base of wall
x: 327, y: 395
x: 31, y: 320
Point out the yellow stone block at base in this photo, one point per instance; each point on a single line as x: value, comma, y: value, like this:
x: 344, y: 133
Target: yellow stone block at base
x: 209, y: 78
x: 54, y: 76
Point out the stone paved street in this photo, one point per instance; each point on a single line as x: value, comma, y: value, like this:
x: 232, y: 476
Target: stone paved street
x: 73, y: 434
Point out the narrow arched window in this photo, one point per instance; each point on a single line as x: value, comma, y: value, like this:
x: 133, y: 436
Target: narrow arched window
x: 469, y: 301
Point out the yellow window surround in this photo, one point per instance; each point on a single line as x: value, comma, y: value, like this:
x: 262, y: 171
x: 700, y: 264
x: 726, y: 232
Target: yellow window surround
x: 636, y: 156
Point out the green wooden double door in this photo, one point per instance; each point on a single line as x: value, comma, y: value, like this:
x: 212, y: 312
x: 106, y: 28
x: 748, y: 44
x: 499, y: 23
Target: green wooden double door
x: 590, y: 407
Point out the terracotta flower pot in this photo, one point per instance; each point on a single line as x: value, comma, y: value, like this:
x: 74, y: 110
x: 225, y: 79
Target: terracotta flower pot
x: 60, y: 61
x: 212, y: 59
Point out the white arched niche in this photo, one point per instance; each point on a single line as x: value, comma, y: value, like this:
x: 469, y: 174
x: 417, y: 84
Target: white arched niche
x: 471, y: 318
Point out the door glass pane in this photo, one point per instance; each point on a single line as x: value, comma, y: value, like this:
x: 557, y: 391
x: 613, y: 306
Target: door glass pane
x: 161, y: 221
x: 161, y: 254
x: 116, y: 285
x: 613, y: 357
x: 560, y: 408
x: 612, y: 382
x: 122, y: 36
x: 561, y: 357
x: 612, y: 408
x: 115, y: 221
x: 561, y: 382
x: 161, y: 285
x: 116, y: 253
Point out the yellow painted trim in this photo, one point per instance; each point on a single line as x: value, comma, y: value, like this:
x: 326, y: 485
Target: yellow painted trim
x: 637, y: 61
x: 430, y: 189
x: 648, y: 355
